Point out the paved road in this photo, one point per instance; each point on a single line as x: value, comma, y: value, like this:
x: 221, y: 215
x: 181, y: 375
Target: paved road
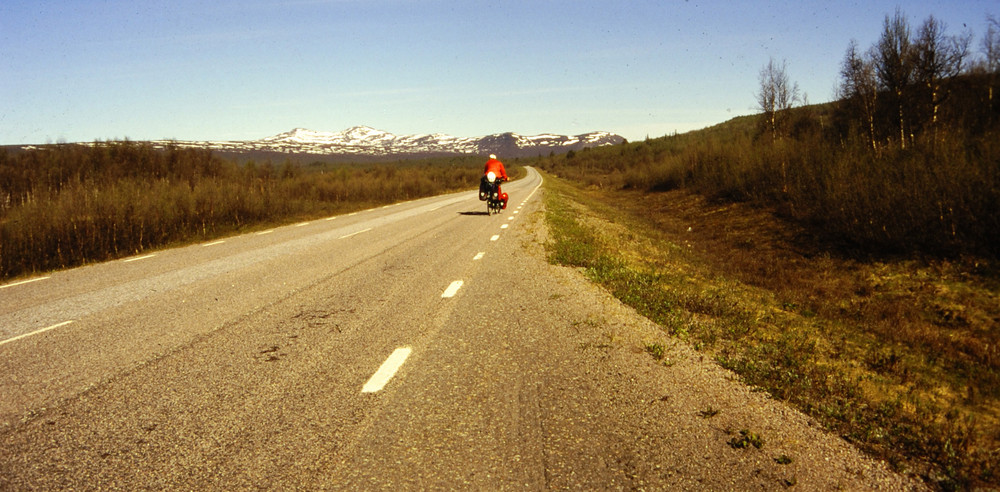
x: 422, y: 345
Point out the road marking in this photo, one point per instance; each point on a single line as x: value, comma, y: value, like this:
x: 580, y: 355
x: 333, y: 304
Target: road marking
x: 213, y: 244
x: 387, y: 370
x: 494, y: 238
x: 300, y: 224
x: 330, y: 218
x: 352, y: 213
x: 130, y: 260
x: 505, y: 226
x: 479, y: 256
x: 43, y: 330
x: 261, y: 233
x: 518, y: 210
x: 452, y: 289
x: 533, y: 191
x: 23, y: 282
x: 437, y: 207
x: 355, y: 233
x: 510, y: 218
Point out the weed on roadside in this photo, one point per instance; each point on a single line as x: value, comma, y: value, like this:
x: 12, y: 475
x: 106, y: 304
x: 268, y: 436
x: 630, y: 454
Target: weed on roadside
x: 656, y: 350
x: 746, y: 439
x: 709, y: 412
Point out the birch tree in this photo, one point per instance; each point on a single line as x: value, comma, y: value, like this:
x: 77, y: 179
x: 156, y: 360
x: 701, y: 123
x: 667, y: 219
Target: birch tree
x: 777, y: 95
x: 938, y: 57
x: 894, y: 65
x: 860, y: 85
x: 991, y: 52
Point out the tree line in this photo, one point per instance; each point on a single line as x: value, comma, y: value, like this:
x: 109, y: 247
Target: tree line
x: 904, y: 86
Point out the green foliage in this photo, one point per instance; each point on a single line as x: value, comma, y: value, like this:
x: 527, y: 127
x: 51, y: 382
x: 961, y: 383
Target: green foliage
x: 746, y: 440
x: 65, y: 205
x: 656, y: 350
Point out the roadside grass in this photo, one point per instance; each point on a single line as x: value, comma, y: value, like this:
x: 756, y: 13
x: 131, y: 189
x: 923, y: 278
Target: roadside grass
x: 899, y: 357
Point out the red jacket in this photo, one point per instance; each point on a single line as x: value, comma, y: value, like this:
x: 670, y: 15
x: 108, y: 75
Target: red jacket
x: 497, y: 168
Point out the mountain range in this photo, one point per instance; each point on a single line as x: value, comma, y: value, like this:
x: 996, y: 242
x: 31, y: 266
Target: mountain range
x: 367, y: 141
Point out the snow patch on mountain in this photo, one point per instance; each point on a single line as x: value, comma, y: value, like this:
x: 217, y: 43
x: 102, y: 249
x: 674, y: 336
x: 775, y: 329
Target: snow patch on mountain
x: 365, y: 140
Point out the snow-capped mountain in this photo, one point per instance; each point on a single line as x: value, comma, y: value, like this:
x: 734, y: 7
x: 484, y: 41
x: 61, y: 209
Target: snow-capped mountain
x: 363, y: 140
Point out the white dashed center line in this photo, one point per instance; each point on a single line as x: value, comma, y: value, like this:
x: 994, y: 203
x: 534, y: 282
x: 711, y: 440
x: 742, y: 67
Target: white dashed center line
x: 43, y: 330
x: 494, y: 238
x: 479, y: 256
x: 387, y: 370
x: 452, y: 289
x: 355, y: 233
x: 505, y: 226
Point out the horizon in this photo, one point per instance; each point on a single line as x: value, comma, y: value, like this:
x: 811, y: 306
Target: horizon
x: 323, y: 132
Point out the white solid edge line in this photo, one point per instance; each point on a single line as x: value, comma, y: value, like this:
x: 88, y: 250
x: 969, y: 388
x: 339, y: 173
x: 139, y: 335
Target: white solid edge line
x: 330, y: 218
x: 214, y: 243
x: 269, y: 231
x: 355, y: 233
x: 452, y: 289
x: 300, y: 224
x: 387, y: 370
x: 43, y: 330
x: 23, y: 282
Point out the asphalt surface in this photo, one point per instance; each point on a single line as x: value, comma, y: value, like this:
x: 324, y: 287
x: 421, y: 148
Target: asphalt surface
x: 424, y: 345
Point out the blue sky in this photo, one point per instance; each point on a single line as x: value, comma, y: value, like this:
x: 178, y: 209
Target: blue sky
x: 233, y: 70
